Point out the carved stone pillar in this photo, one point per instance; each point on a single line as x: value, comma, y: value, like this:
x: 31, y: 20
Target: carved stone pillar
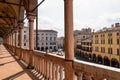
x: 16, y: 30
x: 69, y: 40
x: 31, y: 18
x: 13, y: 41
x: 21, y: 37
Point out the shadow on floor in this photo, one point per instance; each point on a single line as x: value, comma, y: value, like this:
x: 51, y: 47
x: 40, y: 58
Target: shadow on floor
x: 25, y: 70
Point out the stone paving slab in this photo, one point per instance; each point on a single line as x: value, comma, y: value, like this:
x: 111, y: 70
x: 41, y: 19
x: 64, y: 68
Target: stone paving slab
x: 11, y: 68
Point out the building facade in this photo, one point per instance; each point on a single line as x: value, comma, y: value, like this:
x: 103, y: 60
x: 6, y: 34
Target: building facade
x: 106, y: 46
x: 60, y: 43
x: 25, y: 37
x: 79, y: 38
x: 84, y: 50
x: 47, y: 40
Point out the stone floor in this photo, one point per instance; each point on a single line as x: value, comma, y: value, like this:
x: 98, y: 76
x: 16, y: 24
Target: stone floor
x: 12, y: 68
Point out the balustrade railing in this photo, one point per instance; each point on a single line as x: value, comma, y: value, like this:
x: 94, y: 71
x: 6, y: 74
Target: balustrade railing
x: 51, y: 67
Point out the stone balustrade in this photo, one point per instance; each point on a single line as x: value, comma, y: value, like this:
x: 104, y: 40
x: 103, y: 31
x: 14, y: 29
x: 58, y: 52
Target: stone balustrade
x: 52, y: 67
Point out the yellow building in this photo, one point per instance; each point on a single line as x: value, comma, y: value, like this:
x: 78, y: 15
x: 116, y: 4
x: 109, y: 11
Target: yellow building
x: 106, y: 46
x: 84, y: 50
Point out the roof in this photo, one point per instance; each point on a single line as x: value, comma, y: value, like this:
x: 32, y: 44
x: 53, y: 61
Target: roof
x: 110, y: 29
x: 46, y: 31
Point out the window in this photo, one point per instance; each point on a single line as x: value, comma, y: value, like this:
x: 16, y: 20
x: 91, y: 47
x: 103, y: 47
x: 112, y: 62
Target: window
x: 37, y: 43
x: 46, y: 38
x: 118, y: 34
x: 109, y: 41
x: 110, y: 50
x: 42, y: 43
x: 24, y: 37
x: 109, y: 34
x: 24, y: 44
x: 102, y: 49
x: 50, y: 38
x: 96, y: 41
x: 118, y: 41
x: 24, y: 31
x: 54, y: 38
x: 46, y: 43
x: 83, y: 36
x: 96, y: 49
x: 118, y: 51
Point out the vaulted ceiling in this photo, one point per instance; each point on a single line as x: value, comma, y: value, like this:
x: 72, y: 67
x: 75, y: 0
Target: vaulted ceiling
x: 12, y: 11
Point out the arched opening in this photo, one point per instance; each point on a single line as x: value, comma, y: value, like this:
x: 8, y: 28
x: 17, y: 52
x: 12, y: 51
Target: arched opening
x: 46, y: 48
x: 89, y: 57
x: 82, y: 55
x: 86, y: 56
x: 114, y: 63
x: 99, y: 59
x: 106, y: 61
x: 94, y: 58
x: 38, y: 48
x: 77, y: 54
x: 55, y: 48
x: 42, y: 48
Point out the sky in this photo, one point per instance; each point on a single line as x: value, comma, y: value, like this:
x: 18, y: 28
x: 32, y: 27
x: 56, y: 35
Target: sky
x: 95, y: 14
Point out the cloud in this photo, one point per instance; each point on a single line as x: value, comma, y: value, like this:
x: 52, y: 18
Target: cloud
x: 87, y: 13
x: 47, y: 23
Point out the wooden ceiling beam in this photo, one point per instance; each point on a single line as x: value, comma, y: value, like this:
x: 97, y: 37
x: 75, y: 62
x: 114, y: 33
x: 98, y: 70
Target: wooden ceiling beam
x: 11, y: 3
x: 7, y: 17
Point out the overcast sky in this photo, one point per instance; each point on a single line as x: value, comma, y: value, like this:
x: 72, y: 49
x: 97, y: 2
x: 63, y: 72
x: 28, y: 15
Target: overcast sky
x: 87, y: 13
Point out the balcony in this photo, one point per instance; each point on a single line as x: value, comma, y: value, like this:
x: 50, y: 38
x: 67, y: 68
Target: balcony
x: 47, y: 66
x: 17, y: 63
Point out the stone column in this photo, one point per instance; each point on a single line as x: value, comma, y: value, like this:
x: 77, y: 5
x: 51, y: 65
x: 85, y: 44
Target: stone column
x: 31, y: 18
x: 21, y: 37
x: 12, y: 35
x: 15, y: 39
x: 69, y: 39
x: 8, y: 39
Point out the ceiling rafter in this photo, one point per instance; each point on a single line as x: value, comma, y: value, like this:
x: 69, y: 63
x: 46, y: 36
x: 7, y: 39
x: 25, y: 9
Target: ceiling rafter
x: 11, y: 3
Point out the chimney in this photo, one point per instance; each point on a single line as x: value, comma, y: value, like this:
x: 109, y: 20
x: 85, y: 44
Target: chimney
x: 117, y: 24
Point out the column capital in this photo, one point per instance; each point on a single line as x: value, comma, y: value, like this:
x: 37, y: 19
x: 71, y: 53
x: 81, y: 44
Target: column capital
x: 15, y: 29
x: 20, y: 24
x: 31, y: 16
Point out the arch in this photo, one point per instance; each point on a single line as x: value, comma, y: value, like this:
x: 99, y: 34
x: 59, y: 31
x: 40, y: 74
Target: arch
x: 77, y: 54
x: 55, y: 48
x: 106, y: 61
x: 86, y: 56
x: 89, y: 57
x: 46, y: 48
x: 38, y: 48
x: 94, y: 57
x: 99, y: 58
x: 82, y: 55
x: 42, y: 48
x: 114, y: 63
